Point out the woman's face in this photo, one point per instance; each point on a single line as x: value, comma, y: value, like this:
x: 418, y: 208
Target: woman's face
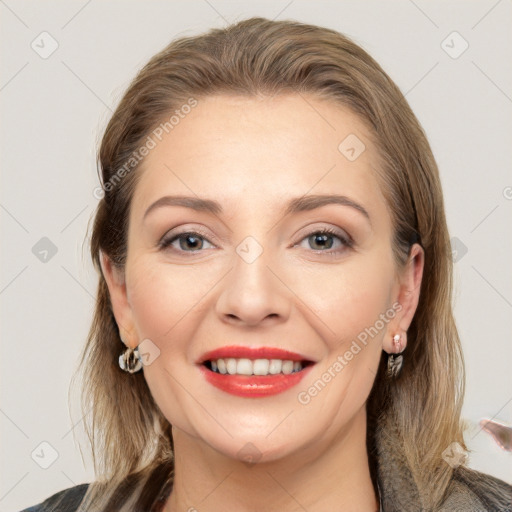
x: 256, y: 275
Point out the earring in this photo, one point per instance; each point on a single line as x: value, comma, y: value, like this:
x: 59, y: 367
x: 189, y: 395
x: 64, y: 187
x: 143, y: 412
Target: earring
x: 395, y: 360
x: 130, y: 360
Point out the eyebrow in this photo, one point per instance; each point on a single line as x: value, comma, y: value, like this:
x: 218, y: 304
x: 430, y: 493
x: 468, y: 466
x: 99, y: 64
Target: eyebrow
x: 296, y: 204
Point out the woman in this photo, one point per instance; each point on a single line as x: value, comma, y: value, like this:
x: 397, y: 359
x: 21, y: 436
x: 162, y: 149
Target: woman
x: 273, y: 329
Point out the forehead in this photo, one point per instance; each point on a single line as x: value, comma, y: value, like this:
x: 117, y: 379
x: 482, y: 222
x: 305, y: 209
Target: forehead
x: 260, y: 150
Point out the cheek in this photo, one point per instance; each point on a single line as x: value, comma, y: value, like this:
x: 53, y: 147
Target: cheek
x: 165, y: 302
x: 354, y: 302
x: 163, y: 299
x: 349, y: 298
x: 150, y: 296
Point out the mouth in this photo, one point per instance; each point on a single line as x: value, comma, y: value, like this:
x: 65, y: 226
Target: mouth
x: 261, y: 367
x: 254, y: 372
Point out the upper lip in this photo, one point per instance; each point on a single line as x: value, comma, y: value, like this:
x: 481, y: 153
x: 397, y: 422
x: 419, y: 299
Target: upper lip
x: 238, y: 352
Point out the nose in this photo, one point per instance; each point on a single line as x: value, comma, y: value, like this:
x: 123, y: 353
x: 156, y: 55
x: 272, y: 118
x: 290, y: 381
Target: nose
x: 254, y: 293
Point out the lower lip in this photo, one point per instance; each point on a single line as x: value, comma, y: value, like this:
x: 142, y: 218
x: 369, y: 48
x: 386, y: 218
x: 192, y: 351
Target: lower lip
x: 254, y: 386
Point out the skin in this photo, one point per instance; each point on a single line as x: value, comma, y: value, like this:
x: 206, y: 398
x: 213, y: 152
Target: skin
x: 252, y: 155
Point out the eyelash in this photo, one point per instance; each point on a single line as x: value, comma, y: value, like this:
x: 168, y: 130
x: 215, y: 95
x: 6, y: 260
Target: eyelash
x: 346, y: 241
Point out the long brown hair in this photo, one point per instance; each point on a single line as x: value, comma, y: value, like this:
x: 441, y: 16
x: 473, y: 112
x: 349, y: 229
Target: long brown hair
x: 130, y: 438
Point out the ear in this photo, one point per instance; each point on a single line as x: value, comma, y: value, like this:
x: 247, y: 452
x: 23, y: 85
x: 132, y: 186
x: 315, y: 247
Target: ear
x: 118, y: 297
x: 408, y: 297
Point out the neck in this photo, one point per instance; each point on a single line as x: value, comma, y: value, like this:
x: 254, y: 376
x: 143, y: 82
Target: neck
x: 331, y: 474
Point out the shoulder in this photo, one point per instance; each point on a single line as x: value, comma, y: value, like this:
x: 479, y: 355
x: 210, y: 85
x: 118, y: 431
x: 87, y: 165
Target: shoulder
x: 472, y: 490
x: 67, y: 500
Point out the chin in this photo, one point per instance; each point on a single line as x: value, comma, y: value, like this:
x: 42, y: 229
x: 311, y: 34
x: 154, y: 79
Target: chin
x: 251, y: 449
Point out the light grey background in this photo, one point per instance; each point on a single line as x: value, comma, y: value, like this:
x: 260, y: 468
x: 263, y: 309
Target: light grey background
x: 54, y: 110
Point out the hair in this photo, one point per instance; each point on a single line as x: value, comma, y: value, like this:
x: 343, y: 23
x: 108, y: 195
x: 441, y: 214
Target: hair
x: 131, y: 440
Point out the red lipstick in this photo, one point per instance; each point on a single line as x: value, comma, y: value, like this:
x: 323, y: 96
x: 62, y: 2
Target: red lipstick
x: 238, y: 352
x: 253, y: 386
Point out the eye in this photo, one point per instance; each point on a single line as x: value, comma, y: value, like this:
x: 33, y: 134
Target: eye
x: 188, y: 241
x: 323, y: 239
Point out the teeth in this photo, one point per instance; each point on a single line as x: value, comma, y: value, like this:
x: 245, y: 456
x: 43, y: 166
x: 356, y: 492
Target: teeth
x: 275, y: 366
x: 260, y: 366
x: 243, y: 366
x: 221, y: 365
x: 231, y: 366
x: 287, y: 367
x: 234, y: 366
